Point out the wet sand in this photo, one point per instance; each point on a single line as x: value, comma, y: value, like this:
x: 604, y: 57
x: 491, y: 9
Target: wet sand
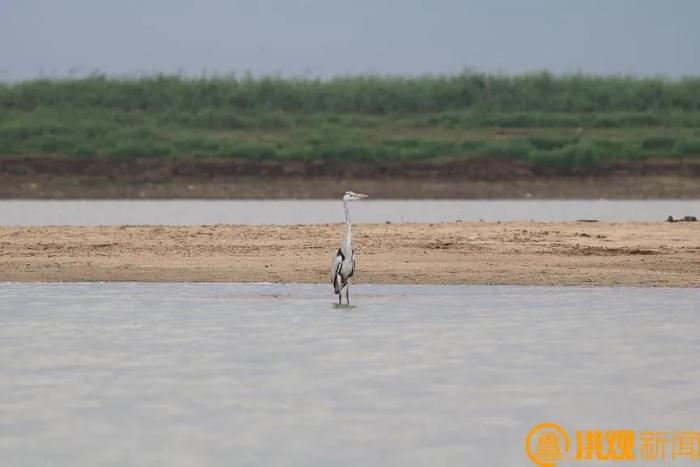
x: 525, y: 253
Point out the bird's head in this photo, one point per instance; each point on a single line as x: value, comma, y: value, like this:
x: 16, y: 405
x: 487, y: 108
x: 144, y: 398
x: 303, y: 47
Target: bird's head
x: 350, y: 196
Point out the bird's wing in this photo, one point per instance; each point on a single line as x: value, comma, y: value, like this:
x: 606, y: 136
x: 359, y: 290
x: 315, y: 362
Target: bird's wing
x: 352, y: 271
x: 336, y: 265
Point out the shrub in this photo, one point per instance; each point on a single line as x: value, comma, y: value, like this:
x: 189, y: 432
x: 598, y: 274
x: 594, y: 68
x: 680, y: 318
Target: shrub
x: 688, y: 147
x: 658, y: 142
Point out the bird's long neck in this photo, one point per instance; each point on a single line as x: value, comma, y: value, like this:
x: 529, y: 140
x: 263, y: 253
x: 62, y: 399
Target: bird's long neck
x: 348, y: 229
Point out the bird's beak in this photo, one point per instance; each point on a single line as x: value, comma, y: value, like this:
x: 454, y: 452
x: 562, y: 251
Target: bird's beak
x: 362, y: 196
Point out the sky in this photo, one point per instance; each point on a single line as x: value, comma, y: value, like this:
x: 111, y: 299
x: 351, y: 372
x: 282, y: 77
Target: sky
x: 325, y: 38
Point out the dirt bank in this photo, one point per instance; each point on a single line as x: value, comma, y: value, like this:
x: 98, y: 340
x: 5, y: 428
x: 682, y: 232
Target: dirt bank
x: 528, y: 253
x: 490, y: 177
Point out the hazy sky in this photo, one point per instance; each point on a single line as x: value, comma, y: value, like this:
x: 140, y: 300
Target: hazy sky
x: 332, y: 37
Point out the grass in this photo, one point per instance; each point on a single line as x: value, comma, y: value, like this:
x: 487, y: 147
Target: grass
x: 568, y: 122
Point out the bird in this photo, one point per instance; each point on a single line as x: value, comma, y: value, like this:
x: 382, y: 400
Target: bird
x: 343, y: 265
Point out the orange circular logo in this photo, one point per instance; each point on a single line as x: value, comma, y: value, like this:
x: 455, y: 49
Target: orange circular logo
x: 546, y: 444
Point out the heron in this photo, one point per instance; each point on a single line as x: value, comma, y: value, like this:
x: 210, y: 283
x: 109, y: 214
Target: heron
x: 343, y: 266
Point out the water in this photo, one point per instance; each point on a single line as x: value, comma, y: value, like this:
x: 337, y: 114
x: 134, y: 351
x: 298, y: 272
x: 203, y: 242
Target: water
x: 193, y: 212
x: 263, y: 374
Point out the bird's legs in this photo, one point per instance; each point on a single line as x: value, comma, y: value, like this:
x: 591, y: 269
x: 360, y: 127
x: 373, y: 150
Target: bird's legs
x: 347, y: 293
x: 340, y: 297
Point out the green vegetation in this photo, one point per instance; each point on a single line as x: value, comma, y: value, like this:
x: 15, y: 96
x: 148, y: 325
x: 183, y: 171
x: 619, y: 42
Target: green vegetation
x: 566, y: 122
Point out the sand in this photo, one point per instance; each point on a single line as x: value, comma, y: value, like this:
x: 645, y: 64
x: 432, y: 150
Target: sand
x: 526, y: 253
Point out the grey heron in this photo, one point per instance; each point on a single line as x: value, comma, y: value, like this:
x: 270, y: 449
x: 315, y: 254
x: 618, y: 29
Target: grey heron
x: 343, y: 265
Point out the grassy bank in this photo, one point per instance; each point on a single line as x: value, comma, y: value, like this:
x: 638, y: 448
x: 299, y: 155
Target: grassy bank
x: 570, y: 122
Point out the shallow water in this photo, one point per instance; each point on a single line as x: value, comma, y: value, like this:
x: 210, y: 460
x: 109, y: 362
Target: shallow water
x: 268, y: 374
x: 188, y: 212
